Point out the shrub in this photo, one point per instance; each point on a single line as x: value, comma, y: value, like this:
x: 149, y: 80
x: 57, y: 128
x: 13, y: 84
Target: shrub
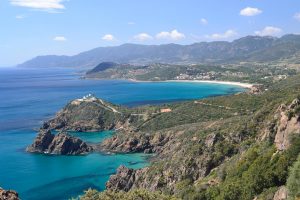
x: 293, y: 182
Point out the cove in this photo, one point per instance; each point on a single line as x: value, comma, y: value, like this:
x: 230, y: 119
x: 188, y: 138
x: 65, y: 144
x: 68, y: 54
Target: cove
x: 29, y: 97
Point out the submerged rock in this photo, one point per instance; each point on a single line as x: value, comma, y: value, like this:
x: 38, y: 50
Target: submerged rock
x: 62, y: 144
x: 8, y: 195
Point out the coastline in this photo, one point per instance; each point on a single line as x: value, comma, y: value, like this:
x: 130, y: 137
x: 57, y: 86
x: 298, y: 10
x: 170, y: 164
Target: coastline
x: 244, y: 85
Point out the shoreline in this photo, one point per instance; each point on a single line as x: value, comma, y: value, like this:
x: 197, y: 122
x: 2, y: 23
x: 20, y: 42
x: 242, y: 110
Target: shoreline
x: 244, y: 85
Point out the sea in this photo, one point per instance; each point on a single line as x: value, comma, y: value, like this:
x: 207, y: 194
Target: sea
x: 30, y: 96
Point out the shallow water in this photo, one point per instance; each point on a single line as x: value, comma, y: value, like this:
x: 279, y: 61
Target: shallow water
x: 28, y: 97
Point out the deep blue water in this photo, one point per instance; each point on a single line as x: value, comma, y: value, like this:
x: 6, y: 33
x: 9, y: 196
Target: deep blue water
x: 29, y: 97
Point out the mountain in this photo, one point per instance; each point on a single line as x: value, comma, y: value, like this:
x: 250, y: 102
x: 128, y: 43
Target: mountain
x: 249, y: 48
x: 102, y: 67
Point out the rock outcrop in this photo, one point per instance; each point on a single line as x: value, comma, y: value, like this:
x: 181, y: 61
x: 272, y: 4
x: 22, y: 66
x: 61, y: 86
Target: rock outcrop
x: 62, y: 144
x: 281, y: 194
x: 136, y: 142
x: 178, y: 159
x: 122, y: 180
x: 8, y: 195
x: 256, y: 89
x: 288, y: 123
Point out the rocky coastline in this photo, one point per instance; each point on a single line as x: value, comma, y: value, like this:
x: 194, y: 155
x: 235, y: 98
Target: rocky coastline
x: 188, y: 152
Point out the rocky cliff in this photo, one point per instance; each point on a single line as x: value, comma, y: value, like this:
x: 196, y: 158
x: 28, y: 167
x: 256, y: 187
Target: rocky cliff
x: 61, y: 143
x: 288, y: 124
x: 181, y: 153
x: 136, y: 142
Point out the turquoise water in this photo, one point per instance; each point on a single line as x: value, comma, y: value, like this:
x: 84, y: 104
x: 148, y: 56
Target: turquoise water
x: 92, y: 137
x: 28, y: 97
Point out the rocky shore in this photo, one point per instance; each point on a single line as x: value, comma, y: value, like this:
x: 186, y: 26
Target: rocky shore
x: 8, y: 194
x: 60, y: 144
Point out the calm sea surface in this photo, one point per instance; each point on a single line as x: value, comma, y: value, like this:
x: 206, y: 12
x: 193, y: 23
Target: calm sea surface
x: 28, y: 97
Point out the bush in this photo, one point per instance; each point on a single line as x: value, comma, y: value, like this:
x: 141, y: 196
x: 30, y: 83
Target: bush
x: 258, y: 170
x: 293, y: 182
x: 137, y: 194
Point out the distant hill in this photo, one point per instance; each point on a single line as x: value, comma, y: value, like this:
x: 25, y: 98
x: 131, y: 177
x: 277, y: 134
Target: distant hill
x: 250, y: 48
x: 102, y: 67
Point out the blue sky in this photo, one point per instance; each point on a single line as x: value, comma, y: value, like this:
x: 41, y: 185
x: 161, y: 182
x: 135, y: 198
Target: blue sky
x: 65, y: 27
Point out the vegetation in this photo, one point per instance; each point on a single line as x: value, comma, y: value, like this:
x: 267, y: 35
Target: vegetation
x: 293, y: 182
x: 139, y: 194
x: 215, y: 148
x: 247, y: 72
x: 259, y: 169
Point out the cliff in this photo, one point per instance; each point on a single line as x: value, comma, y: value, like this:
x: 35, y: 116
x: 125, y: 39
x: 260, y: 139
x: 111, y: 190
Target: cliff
x: 288, y: 124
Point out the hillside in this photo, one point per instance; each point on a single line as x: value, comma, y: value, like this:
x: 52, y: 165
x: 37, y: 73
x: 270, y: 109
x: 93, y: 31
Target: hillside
x: 235, y: 147
x: 231, y: 147
x: 250, y: 48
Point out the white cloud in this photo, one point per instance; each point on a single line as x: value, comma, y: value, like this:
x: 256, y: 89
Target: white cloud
x: 59, y: 38
x: 39, y: 4
x: 143, y: 37
x: 173, y: 35
x: 108, y: 37
x: 297, y: 16
x: 248, y: 11
x: 268, y: 31
x: 204, y: 21
x: 131, y: 23
x: 20, y: 16
x: 218, y: 36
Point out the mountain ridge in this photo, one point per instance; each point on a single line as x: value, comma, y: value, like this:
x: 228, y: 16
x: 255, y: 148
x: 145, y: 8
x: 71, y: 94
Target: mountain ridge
x: 249, y: 48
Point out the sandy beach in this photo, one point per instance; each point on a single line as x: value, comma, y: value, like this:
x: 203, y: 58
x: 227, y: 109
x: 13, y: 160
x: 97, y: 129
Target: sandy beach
x: 244, y: 85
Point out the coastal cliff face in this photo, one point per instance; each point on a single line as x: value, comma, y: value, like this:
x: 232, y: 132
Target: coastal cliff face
x: 62, y: 144
x: 8, y: 195
x: 288, y: 124
x: 137, y: 142
x: 181, y: 154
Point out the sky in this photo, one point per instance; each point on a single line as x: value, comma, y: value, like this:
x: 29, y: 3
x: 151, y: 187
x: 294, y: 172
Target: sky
x: 29, y: 28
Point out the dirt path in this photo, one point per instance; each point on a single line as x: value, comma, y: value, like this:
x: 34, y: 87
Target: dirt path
x: 113, y: 109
